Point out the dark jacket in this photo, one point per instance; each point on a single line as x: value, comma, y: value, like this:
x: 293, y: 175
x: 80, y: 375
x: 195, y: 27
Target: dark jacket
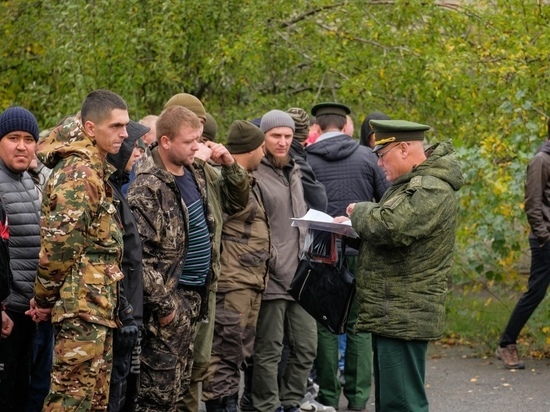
x: 314, y: 191
x: 131, y: 297
x: 21, y: 201
x: 348, y: 171
x: 245, y: 246
x: 163, y: 220
x: 537, y: 194
x: 406, y: 252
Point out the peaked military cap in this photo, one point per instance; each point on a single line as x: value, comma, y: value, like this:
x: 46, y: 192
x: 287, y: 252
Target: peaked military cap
x: 330, y: 108
x: 388, y: 131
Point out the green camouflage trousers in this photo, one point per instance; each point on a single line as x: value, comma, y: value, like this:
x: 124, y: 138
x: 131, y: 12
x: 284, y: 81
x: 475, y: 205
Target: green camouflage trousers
x: 167, y: 356
x: 83, y: 355
x: 202, y: 347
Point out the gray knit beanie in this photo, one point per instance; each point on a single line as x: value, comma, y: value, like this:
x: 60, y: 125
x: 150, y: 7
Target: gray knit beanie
x: 18, y: 119
x: 276, y: 118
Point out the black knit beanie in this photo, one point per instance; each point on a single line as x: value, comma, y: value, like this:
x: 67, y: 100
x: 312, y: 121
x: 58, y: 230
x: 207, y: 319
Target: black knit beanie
x: 17, y: 118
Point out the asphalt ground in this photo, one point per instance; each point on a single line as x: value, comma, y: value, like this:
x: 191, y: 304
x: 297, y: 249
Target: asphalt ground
x: 458, y: 382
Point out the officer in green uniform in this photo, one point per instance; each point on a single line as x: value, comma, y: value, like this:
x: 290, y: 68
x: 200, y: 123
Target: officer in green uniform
x: 405, y: 256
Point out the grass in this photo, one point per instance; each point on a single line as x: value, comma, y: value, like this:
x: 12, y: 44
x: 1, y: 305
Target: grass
x: 477, y: 319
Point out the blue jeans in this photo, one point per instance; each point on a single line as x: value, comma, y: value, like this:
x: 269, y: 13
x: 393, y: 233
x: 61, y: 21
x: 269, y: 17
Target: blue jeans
x: 539, y: 279
x: 342, y: 351
x: 41, y: 366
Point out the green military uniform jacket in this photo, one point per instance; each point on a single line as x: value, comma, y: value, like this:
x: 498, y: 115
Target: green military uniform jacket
x: 406, y: 250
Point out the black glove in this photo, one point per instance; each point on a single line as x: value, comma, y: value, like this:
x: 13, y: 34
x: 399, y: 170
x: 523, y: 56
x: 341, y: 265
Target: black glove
x: 125, y: 338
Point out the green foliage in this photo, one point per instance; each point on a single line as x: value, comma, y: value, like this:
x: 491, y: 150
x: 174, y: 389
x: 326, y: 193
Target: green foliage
x: 478, y: 319
x: 477, y: 73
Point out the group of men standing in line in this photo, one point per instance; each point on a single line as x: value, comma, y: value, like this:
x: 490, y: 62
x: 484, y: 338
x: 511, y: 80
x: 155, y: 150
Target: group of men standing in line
x: 190, y: 269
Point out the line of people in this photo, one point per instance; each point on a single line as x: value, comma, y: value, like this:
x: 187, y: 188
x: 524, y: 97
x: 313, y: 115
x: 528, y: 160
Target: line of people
x: 157, y: 268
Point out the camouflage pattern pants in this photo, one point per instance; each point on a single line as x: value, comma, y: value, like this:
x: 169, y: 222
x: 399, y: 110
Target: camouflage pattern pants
x: 234, y: 332
x: 167, y: 356
x: 202, y: 348
x: 83, y: 355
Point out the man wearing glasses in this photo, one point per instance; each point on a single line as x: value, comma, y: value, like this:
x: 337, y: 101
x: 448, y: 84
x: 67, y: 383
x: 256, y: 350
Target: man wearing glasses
x: 406, y: 254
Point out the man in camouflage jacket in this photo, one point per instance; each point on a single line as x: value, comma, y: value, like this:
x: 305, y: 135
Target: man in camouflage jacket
x: 405, y: 257
x: 172, y: 306
x: 81, y: 249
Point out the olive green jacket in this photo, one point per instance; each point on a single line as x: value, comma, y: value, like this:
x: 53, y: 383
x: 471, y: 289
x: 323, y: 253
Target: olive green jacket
x: 406, y: 250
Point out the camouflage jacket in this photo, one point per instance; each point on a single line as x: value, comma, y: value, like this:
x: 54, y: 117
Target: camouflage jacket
x: 407, y: 248
x: 163, y: 221
x: 81, y: 244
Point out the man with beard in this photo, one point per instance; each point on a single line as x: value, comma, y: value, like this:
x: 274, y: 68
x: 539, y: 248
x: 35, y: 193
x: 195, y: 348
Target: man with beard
x: 279, y: 179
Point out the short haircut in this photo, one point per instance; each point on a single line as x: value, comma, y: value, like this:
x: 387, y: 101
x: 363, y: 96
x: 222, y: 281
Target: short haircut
x: 331, y: 120
x: 171, y: 120
x: 148, y: 120
x: 99, y: 104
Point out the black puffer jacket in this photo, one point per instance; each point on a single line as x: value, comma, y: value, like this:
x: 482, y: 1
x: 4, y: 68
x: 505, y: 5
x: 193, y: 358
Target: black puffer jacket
x: 132, y: 284
x: 314, y: 191
x: 21, y: 200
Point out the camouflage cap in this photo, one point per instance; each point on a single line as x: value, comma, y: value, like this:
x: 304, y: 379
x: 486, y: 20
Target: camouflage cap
x: 301, y: 123
x: 339, y: 109
x: 189, y: 102
x: 388, y: 131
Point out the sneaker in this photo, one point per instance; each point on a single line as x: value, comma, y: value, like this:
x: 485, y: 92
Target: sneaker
x: 312, y: 405
x: 312, y: 388
x: 509, y: 356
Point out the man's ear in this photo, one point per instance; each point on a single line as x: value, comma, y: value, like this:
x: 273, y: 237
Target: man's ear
x: 164, y: 142
x: 89, y: 128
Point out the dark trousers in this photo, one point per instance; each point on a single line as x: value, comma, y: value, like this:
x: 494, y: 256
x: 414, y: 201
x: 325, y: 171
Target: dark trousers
x: 15, y: 363
x: 41, y: 366
x: 539, y: 279
x: 132, y: 380
x: 233, y: 343
x: 399, y: 374
x: 117, y: 387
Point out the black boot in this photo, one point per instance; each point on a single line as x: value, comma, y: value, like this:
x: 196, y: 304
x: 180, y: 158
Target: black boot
x: 214, y: 405
x: 246, y: 400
